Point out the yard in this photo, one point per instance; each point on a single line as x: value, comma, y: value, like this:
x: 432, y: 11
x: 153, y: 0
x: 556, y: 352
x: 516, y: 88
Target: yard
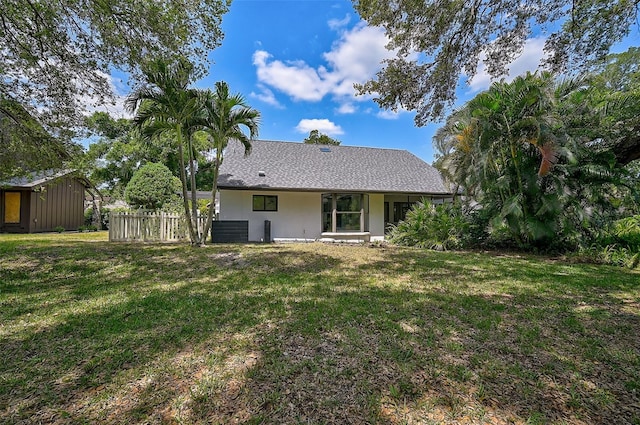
x: 93, y: 332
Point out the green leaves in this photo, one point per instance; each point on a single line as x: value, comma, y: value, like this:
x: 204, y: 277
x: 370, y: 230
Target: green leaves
x: 451, y: 37
x: 25, y: 145
x: 514, y: 151
x: 440, y: 227
x: 59, y: 52
x: 151, y: 187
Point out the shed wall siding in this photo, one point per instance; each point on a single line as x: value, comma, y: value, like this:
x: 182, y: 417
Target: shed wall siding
x: 60, y: 204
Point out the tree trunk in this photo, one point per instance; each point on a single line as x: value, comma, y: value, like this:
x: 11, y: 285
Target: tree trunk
x: 627, y: 150
x: 194, y: 196
x: 212, y: 205
x: 183, y: 179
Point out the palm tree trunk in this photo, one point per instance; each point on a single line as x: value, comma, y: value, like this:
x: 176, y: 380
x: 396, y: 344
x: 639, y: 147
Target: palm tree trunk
x: 183, y: 180
x: 212, y: 205
x: 194, y: 196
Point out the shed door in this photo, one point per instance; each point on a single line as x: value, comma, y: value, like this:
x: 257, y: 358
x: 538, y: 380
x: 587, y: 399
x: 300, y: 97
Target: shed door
x: 12, y: 207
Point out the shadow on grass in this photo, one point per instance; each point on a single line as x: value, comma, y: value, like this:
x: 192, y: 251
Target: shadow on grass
x: 282, y: 334
x: 383, y: 355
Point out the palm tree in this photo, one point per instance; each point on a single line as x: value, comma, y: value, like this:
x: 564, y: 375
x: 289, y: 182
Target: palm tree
x: 501, y: 148
x: 166, y: 105
x: 227, y: 117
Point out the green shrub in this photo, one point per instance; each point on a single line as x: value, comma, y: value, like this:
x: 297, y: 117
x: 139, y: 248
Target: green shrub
x: 104, y: 213
x: 151, y: 187
x: 609, y: 254
x: 626, y: 231
x: 617, y: 244
x: 439, y: 227
x: 58, y: 229
x: 88, y: 216
x: 202, y: 206
x: 82, y: 229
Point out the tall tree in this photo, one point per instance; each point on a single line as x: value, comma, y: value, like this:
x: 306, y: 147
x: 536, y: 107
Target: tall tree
x: 438, y: 40
x: 57, y: 54
x: 55, y: 51
x: 120, y: 151
x: 166, y: 106
x: 316, y: 138
x: 26, y: 146
x: 227, y: 118
x: 509, y: 149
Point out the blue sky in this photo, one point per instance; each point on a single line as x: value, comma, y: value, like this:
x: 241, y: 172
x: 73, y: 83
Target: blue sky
x: 296, y: 62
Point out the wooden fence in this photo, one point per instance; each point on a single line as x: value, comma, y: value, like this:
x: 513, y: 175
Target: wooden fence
x: 149, y: 227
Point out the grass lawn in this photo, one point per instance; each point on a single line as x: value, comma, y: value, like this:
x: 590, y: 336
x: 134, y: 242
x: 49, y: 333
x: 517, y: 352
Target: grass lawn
x: 93, y: 332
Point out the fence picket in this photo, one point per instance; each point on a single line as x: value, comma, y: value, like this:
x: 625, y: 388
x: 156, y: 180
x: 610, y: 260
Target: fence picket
x: 144, y: 226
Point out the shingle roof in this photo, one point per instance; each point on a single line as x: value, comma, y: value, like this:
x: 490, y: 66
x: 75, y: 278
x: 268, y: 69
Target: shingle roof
x: 298, y: 166
x: 36, y: 178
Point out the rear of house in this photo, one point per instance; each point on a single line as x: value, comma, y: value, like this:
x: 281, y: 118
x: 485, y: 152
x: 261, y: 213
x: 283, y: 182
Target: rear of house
x: 287, y: 191
x: 42, y: 202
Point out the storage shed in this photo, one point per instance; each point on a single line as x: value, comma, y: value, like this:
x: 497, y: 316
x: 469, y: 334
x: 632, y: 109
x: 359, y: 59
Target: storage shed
x: 43, y: 201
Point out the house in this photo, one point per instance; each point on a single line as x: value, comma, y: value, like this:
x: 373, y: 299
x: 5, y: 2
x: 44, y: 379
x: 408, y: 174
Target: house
x: 43, y: 201
x: 286, y: 191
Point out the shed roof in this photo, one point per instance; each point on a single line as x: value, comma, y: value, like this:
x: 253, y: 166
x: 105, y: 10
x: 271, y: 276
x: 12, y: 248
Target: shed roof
x: 298, y: 166
x: 36, y: 178
x: 40, y: 178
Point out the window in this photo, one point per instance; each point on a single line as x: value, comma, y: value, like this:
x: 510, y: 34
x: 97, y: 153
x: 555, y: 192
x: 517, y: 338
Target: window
x: 400, y: 210
x: 12, y: 207
x: 265, y: 203
x: 344, y: 212
x: 386, y: 213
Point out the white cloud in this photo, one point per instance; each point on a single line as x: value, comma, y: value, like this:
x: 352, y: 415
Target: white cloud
x: 346, y: 108
x: 387, y: 114
x: 322, y: 125
x: 295, y: 79
x: 336, y: 24
x: 529, y: 60
x: 354, y: 58
x: 265, y: 95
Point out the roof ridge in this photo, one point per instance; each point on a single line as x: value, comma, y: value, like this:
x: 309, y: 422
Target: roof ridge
x: 333, y: 146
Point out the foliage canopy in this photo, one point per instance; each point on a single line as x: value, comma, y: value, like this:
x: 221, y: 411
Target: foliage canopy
x: 438, y: 40
x: 511, y: 151
x: 317, y: 138
x: 25, y: 145
x: 151, y: 187
x: 56, y: 54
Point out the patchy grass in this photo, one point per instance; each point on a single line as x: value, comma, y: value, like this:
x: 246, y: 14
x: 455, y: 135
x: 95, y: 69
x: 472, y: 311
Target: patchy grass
x: 93, y: 332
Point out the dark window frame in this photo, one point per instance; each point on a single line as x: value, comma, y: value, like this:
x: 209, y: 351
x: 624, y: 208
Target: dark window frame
x: 400, y: 210
x: 333, y: 216
x: 264, y: 203
x: 6, y: 210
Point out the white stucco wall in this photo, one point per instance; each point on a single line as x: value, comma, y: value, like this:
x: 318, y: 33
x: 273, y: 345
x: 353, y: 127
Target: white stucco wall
x: 376, y: 216
x: 298, y: 216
